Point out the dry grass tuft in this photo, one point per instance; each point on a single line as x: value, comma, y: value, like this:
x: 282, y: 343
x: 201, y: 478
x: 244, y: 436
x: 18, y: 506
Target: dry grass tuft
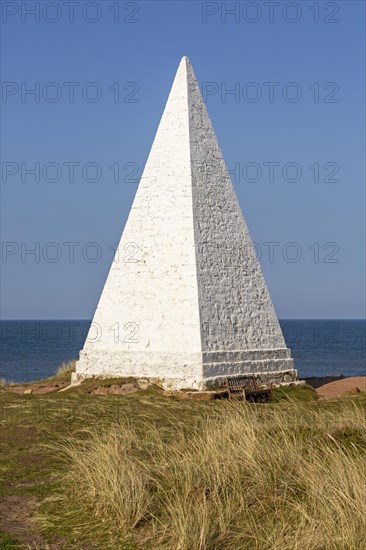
x: 5, y: 383
x: 65, y: 370
x: 250, y: 477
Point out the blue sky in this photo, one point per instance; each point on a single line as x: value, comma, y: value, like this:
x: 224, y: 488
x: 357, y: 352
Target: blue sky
x: 292, y: 134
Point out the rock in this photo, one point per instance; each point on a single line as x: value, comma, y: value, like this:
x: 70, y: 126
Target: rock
x: 28, y: 391
x: 143, y: 383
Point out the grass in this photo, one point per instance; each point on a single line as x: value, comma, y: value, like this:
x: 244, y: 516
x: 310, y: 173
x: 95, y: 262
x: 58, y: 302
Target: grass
x: 143, y: 471
x: 62, y: 373
x: 64, y: 370
x: 8, y: 542
x: 4, y: 382
x: 242, y: 478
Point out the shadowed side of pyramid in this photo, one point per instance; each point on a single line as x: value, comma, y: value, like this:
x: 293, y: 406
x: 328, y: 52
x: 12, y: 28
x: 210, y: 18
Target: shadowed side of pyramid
x: 185, y: 300
x: 240, y: 332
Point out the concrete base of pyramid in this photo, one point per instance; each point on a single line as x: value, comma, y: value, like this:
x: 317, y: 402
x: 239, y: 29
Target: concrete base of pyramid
x: 268, y: 366
x: 188, y: 371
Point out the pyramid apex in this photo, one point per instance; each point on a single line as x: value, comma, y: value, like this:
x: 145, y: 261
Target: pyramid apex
x: 184, y: 61
x: 184, y: 73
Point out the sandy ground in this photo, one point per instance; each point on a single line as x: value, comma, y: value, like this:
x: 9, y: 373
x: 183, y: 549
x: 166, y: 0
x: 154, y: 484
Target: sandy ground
x: 331, y: 387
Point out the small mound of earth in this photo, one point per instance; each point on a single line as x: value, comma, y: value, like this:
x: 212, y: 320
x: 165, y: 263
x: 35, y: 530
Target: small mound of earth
x: 331, y: 388
x: 35, y: 387
x: 115, y: 389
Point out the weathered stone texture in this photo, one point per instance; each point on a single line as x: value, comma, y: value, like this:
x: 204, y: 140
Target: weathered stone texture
x: 186, y: 301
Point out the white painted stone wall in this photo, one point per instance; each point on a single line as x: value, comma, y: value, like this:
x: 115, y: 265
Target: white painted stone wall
x: 186, y: 301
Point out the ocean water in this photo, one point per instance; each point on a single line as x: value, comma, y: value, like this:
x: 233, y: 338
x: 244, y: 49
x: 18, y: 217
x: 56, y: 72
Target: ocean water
x: 31, y: 350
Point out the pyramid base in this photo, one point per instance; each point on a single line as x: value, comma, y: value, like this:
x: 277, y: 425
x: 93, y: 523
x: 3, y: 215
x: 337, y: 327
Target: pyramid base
x: 280, y: 377
x: 267, y: 366
x: 188, y: 371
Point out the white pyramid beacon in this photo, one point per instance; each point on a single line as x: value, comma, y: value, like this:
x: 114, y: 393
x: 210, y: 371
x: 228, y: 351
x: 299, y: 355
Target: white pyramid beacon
x: 185, y: 300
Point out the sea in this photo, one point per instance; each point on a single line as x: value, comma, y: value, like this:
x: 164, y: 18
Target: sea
x: 32, y: 350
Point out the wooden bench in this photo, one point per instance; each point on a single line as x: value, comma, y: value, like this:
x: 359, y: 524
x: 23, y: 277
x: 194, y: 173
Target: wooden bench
x: 247, y: 388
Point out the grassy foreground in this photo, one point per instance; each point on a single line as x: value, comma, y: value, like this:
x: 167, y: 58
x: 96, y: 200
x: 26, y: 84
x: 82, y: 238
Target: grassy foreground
x: 143, y: 471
